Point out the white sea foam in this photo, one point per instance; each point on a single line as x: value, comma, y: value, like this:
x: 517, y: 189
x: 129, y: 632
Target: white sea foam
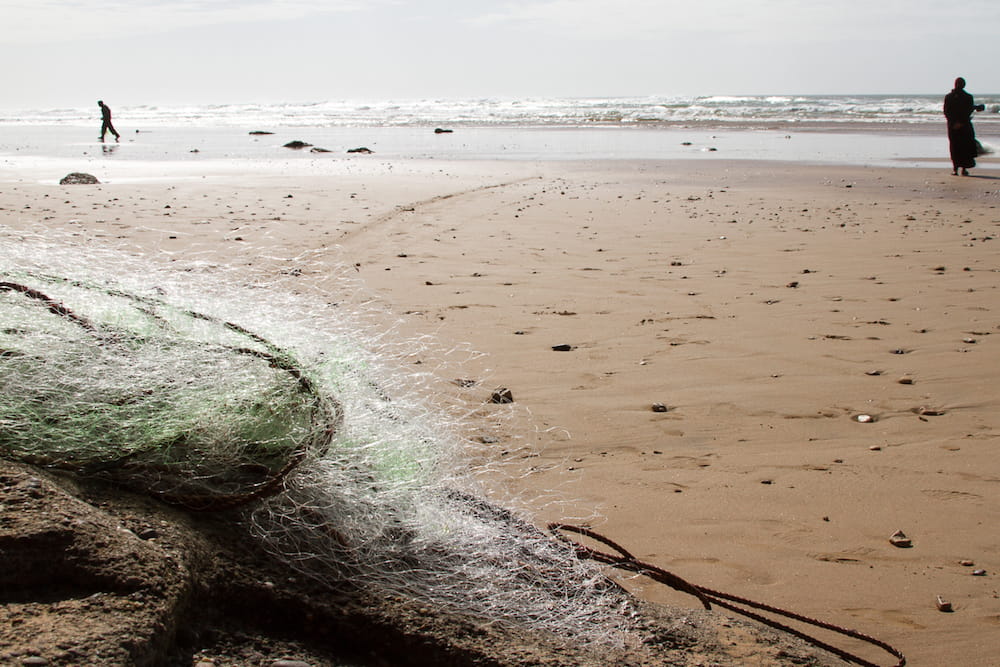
x: 521, y: 112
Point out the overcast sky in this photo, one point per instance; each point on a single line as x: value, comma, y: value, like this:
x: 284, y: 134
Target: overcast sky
x: 68, y: 53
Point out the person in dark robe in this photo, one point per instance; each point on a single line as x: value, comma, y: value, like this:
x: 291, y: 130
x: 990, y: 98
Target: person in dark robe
x: 958, y: 108
x: 106, y: 125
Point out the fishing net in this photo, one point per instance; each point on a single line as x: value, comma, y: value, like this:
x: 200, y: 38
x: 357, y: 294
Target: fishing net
x: 215, y: 394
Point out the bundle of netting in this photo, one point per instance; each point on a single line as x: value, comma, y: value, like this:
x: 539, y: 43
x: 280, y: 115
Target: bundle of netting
x: 214, y: 394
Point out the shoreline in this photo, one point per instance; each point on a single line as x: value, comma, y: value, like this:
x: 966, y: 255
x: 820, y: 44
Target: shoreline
x: 751, y: 298
x: 173, y: 152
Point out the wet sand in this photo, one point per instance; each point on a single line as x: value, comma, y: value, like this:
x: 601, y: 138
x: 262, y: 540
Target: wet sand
x: 766, y: 306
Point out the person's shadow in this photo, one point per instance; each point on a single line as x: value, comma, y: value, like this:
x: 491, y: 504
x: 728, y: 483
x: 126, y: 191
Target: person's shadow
x: 109, y: 149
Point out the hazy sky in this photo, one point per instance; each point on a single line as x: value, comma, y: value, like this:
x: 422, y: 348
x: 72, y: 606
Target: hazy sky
x: 68, y: 53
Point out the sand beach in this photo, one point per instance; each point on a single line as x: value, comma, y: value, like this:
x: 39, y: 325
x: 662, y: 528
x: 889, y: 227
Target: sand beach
x: 750, y: 373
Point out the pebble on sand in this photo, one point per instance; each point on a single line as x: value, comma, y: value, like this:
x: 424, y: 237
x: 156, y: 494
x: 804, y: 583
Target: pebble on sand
x: 899, y: 539
x: 79, y: 178
x: 502, y: 395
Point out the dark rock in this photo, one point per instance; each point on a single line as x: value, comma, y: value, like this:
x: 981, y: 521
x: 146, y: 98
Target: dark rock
x: 317, y: 149
x: 439, y: 130
x: 659, y: 407
x: 259, y: 132
x: 502, y: 395
x: 297, y: 145
x: 562, y: 348
x: 78, y: 178
x: 366, y: 151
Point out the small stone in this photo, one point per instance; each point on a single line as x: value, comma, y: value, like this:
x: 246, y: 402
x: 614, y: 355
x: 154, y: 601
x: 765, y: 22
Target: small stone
x: 297, y: 145
x: 34, y: 661
x: 875, y: 448
x: 864, y: 419
x: 899, y: 539
x: 502, y: 395
x: 562, y: 348
x: 969, y: 341
x: 873, y: 373
x: 979, y: 573
x: 944, y: 605
x: 289, y: 663
x: 928, y: 412
x: 905, y: 380
x: 79, y: 178
x: 966, y: 563
x: 659, y: 407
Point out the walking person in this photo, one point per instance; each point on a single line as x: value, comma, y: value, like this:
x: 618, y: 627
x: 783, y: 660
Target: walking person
x: 106, y: 125
x: 958, y: 108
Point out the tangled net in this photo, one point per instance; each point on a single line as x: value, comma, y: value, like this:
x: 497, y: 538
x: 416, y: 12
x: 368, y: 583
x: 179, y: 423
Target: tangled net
x: 213, y: 396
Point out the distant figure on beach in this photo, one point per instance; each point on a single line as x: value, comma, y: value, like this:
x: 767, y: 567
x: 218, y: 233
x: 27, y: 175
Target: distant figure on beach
x: 106, y: 125
x: 958, y: 108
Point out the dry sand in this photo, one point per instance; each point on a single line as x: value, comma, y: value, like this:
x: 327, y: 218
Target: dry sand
x: 765, y: 305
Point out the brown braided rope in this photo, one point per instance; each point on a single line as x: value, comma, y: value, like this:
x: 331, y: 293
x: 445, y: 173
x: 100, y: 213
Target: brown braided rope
x: 330, y: 414
x: 626, y: 561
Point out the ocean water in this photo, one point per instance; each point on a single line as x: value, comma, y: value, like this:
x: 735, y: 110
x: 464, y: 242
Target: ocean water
x: 877, y: 130
x: 719, y: 110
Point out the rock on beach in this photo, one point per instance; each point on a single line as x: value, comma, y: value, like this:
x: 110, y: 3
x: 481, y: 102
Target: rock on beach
x: 79, y: 178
